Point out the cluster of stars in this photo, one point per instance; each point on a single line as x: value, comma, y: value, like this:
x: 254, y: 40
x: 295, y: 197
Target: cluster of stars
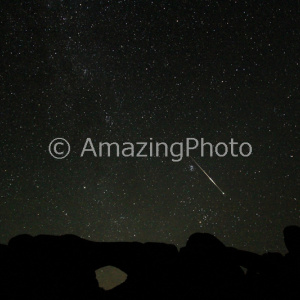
x: 128, y: 71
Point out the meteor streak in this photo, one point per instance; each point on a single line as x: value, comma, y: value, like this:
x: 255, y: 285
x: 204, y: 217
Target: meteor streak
x: 207, y: 175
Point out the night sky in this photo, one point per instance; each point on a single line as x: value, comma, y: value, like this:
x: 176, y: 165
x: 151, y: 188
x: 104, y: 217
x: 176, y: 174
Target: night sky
x: 128, y: 71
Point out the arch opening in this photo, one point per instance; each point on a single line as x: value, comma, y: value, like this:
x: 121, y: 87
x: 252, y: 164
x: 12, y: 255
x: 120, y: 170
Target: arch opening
x: 110, y: 277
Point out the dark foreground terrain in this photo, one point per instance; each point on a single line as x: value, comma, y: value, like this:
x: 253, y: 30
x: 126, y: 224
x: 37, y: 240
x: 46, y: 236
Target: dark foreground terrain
x: 63, y: 267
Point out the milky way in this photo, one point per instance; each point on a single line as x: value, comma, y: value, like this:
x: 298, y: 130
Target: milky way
x: 133, y: 70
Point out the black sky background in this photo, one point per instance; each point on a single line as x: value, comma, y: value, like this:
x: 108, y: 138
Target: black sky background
x: 121, y: 71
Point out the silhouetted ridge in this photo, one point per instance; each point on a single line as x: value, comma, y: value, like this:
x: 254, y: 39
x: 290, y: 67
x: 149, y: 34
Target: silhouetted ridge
x: 63, y: 267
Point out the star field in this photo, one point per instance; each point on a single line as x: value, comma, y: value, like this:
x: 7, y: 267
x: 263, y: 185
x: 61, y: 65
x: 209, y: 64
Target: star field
x: 119, y: 71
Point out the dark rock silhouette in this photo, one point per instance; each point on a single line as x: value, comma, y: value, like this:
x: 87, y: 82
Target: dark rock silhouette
x: 272, y: 275
x: 292, y: 239
x: 205, y: 265
x: 63, y: 267
x: 150, y: 269
x: 54, y: 267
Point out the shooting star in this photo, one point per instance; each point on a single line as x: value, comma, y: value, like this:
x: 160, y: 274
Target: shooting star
x: 207, y: 175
